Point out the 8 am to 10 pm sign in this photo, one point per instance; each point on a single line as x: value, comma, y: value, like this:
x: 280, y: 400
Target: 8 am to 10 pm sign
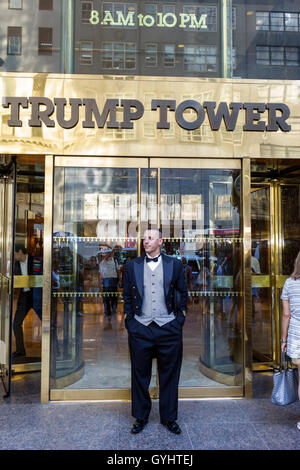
x: 168, y: 20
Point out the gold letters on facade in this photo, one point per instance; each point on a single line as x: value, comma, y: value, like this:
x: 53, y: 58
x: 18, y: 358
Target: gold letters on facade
x: 51, y: 113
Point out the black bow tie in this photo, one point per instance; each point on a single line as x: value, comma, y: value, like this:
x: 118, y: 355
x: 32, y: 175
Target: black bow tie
x: 152, y: 259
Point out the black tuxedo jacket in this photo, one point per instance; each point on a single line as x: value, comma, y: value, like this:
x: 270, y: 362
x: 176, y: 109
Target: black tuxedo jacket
x: 174, y: 284
x: 34, y: 265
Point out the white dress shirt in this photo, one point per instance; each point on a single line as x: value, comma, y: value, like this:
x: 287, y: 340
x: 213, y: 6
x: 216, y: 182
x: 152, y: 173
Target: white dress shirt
x: 152, y: 264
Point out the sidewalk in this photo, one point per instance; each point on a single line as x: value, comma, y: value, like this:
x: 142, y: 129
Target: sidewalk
x: 244, y: 424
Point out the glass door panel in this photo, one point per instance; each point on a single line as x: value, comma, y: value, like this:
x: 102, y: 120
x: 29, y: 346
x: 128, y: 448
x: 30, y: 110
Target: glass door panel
x: 262, y: 264
x: 99, y: 215
x: 28, y: 277
x: 6, y: 245
x: 95, y: 232
x: 290, y: 227
x: 275, y: 217
x: 200, y: 219
x: 289, y: 240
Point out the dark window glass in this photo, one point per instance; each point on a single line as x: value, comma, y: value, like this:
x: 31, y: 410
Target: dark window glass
x: 262, y: 21
x: 14, y: 40
x: 291, y: 21
x: 86, y: 53
x: 169, y: 55
x: 151, y: 55
x: 46, y: 5
x: 15, y: 4
x: 150, y: 9
x: 118, y: 56
x: 202, y: 18
x: 262, y: 55
x: 292, y: 56
x: 86, y: 8
x: 200, y: 58
x: 119, y: 15
x: 277, y: 21
x: 273, y: 55
x: 45, y: 41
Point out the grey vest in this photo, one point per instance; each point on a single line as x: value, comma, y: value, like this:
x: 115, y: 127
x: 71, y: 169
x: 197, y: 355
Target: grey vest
x: 154, y: 306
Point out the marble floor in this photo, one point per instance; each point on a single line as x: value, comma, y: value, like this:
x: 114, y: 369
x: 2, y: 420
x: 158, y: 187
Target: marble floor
x: 226, y: 424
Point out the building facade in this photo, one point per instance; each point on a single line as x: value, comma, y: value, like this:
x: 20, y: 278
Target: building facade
x: 117, y: 115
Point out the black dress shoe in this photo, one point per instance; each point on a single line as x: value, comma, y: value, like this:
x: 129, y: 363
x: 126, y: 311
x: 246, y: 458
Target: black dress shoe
x: 138, y: 426
x: 173, y: 427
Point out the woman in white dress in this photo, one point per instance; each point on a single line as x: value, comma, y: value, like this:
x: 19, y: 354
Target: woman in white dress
x: 290, y: 342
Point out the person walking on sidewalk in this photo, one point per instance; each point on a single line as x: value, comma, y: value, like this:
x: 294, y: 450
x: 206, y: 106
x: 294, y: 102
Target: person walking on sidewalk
x: 154, y: 321
x: 290, y: 342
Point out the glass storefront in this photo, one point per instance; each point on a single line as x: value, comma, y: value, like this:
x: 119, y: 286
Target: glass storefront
x: 99, y: 216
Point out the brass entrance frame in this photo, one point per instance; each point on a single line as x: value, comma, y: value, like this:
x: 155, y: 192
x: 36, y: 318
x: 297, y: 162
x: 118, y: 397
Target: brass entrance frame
x: 51, y: 162
x: 275, y: 279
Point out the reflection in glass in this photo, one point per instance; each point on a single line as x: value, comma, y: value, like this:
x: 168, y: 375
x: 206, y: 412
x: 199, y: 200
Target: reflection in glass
x: 201, y: 226
x: 28, y: 269
x: 262, y: 324
x: 290, y: 210
x: 94, y: 235
x: 6, y: 247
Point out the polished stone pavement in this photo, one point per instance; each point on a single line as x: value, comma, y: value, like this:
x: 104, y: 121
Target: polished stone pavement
x: 226, y: 424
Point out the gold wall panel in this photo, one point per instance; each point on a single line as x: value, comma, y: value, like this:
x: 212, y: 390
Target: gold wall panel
x: 145, y: 139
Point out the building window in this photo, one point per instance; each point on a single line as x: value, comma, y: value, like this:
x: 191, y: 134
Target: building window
x: 151, y: 9
x: 231, y: 58
x: 233, y: 18
x: 291, y: 21
x: 15, y: 4
x: 150, y: 55
x: 14, y: 40
x: 200, y: 58
x: 262, y: 21
x: 292, y: 57
x: 202, y: 19
x: 86, y: 8
x: 168, y: 12
x: 169, y: 55
x: 46, y: 5
x: 119, y: 55
x: 123, y: 14
x: 45, y: 41
x: 277, y: 55
x: 262, y: 55
x: 277, y: 21
x: 86, y: 53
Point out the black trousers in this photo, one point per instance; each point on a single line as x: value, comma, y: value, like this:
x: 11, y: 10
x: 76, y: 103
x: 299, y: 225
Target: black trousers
x: 25, y: 303
x: 110, y: 286
x: 164, y: 343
